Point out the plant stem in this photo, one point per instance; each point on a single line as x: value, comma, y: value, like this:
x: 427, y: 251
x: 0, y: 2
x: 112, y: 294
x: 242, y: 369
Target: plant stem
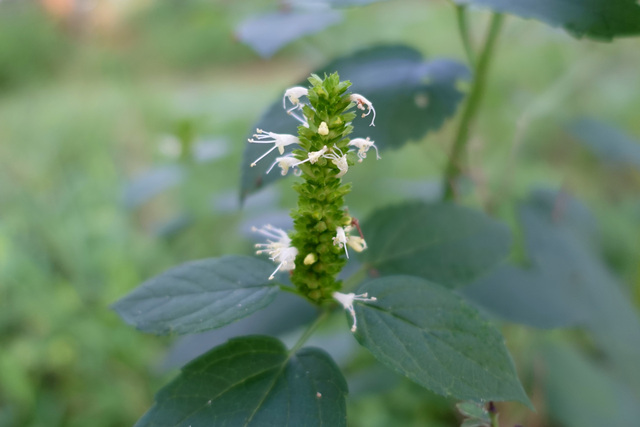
x: 453, y: 169
x: 464, y: 33
x: 310, y: 330
x: 493, y: 415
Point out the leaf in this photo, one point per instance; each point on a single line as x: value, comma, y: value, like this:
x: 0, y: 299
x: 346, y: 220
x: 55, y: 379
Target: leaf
x: 253, y: 381
x: 448, y: 244
x: 567, y: 283
x: 411, y: 97
x: 269, y: 32
x: 428, y: 334
x: 608, y: 143
x: 579, y: 393
x: 151, y: 183
x: 599, y: 19
x: 199, y: 295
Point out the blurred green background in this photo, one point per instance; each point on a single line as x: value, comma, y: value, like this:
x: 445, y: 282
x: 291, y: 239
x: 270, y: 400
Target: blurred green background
x: 101, y: 105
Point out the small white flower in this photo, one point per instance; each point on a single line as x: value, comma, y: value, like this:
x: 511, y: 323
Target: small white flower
x: 347, y: 302
x: 323, y: 129
x: 363, y: 104
x: 356, y: 243
x: 278, y: 247
x: 341, y: 240
x: 278, y: 140
x: 314, y: 156
x: 285, y: 162
x: 294, y: 94
x: 363, y: 146
x: 310, y: 259
x: 340, y: 161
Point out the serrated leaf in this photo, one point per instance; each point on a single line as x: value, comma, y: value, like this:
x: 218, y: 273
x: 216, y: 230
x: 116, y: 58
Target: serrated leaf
x: 428, y: 334
x: 411, y: 97
x: 607, y: 142
x: 199, y: 295
x: 600, y: 19
x: 448, y: 244
x: 269, y: 32
x: 250, y: 382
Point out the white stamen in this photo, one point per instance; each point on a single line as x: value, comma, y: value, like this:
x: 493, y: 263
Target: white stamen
x: 339, y: 161
x: 363, y: 146
x: 347, y: 301
x: 361, y: 102
x: 314, y: 156
x: 279, y: 250
x: 278, y: 140
x: 341, y: 240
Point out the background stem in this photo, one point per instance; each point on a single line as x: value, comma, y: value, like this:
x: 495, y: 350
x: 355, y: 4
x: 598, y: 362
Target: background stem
x: 454, y: 169
x: 463, y: 27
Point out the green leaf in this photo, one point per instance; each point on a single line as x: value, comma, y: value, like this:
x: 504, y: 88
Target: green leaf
x: 269, y: 32
x: 442, y: 242
x: 253, y: 381
x: 199, y: 295
x: 428, y: 334
x: 579, y: 393
x: 607, y: 142
x: 600, y: 19
x: 411, y: 97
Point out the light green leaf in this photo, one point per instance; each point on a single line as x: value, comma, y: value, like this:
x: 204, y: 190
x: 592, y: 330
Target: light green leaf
x: 199, y: 295
x: 448, y: 244
x: 251, y: 382
x: 430, y: 335
x: 600, y: 19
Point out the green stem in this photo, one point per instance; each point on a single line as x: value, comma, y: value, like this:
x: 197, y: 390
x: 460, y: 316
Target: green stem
x: 453, y: 169
x: 463, y: 27
x: 493, y: 415
x: 310, y: 330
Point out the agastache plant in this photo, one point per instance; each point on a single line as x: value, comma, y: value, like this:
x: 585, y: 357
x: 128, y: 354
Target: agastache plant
x: 316, y: 250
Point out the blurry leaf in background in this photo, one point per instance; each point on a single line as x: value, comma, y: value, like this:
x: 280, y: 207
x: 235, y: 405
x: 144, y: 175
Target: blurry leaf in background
x: 267, y: 33
x: 567, y: 283
x: 579, y: 393
x: 475, y: 414
x: 151, y: 183
x: 608, y: 143
x: 199, y: 295
x: 253, y: 381
x: 448, y: 244
x: 411, y: 97
x: 430, y: 335
x: 599, y: 19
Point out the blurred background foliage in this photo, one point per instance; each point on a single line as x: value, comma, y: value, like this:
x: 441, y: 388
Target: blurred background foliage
x: 122, y: 126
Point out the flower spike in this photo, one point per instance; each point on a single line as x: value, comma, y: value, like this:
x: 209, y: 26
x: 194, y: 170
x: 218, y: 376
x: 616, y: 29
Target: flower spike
x: 279, y: 141
x: 279, y: 249
x: 347, y: 302
x: 363, y: 146
x: 361, y: 103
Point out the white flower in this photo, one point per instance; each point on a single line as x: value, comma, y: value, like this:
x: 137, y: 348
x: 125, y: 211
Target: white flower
x: 294, y: 94
x: 314, y: 156
x: 340, y: 161
x: 363, y: 146
x: 278, y: 140
x: 347, y: 302
x: 343, y: 239
x: 279, y: 249
x: 361, y: 102
x: 323, y: 129
x: 285, y: 162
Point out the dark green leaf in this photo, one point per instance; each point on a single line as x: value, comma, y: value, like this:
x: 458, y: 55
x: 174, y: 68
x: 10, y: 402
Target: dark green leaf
x: 567, y: 283
x: 253, y: 381
x: 448, y: 244
x: 608, y: 143
x: 199, y: 295
x: 580, y: 394
x: 411, y: 98
x: 267, y: 33
x: 428, y: 334
x: 600, y: 19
